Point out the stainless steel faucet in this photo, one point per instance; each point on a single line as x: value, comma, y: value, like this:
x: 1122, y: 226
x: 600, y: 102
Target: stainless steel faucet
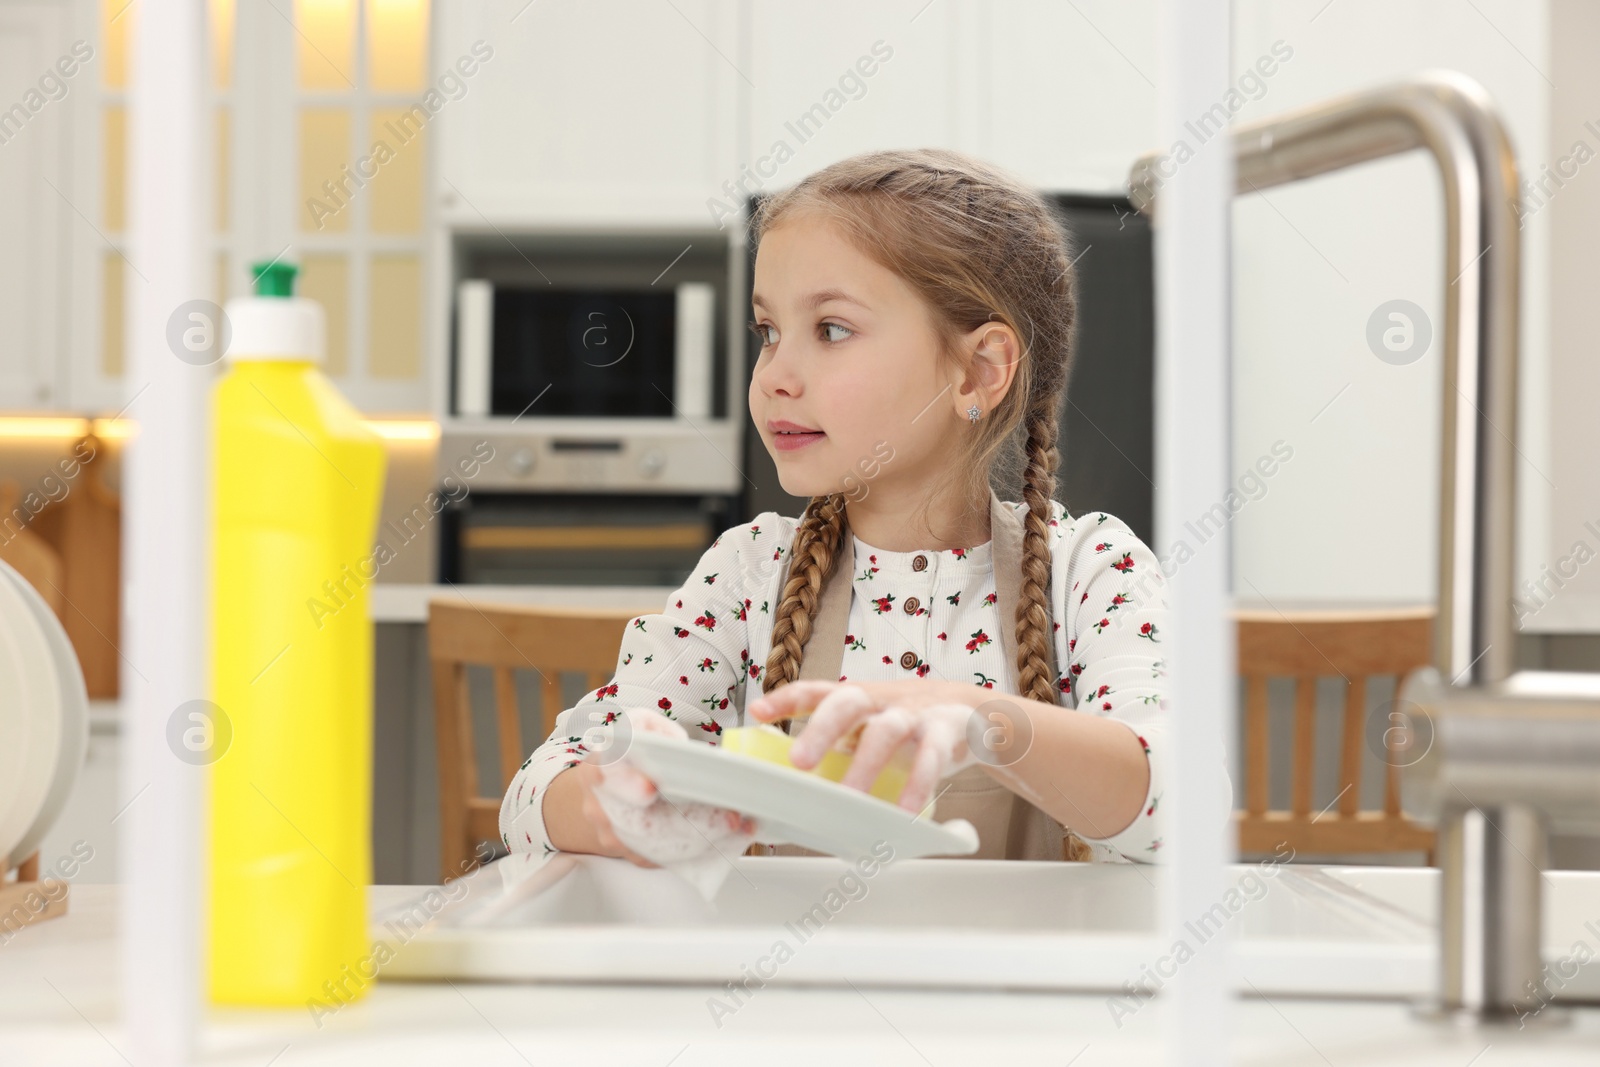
x: 1496, y: 757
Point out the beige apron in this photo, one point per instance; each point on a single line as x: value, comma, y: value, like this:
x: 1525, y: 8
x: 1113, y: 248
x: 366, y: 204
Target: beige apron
x: 1009, y: 827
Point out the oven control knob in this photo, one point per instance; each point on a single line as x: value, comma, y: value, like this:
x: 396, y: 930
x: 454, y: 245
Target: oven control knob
x: 652, y: 463
x: 521, y: 462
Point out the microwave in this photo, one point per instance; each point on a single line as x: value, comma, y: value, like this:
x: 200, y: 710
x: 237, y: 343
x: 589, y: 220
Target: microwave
x: 590, y: 353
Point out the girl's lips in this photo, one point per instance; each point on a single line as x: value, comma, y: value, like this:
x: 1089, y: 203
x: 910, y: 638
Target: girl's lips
x: 789, y: 442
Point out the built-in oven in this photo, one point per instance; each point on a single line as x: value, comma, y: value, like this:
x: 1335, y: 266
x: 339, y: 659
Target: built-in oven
x: 599, y: 369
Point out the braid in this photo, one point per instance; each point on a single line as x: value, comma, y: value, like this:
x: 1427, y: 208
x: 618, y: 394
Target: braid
x: 1033, y: 604
x: 811, y: 559
x: 1033, y: 613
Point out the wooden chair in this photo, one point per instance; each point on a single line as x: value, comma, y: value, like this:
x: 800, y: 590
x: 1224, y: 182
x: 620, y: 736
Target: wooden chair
x: 1304, y: 646
x: 506, y: 638
x: 29, y: 554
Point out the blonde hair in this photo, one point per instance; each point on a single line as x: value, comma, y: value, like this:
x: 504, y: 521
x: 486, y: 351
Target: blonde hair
x: 977, y: 246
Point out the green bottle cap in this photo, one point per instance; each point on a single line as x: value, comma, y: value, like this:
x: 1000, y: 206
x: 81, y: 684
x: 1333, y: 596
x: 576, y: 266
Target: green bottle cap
x: 274, y: 278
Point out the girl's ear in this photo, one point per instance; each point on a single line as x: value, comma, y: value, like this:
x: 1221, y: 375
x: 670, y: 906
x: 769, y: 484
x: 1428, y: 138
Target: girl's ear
x: 996, y: 352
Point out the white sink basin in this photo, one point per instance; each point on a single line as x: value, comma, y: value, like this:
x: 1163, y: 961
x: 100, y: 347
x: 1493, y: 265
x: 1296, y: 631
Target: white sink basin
x: 947, y: 923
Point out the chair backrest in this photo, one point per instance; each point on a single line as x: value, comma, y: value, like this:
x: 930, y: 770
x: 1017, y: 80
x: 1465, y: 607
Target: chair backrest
x: 505, y: 638
x: 1304, y: 646
x: 29, y: 554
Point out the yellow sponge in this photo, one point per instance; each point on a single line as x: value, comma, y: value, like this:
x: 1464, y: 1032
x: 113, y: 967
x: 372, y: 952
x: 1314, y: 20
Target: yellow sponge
x: 767, y: 742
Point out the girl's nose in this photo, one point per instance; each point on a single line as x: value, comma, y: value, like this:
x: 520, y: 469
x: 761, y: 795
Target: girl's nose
x: 779, y: 377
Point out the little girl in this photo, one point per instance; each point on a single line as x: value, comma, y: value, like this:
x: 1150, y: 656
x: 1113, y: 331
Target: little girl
x: 915, y: 313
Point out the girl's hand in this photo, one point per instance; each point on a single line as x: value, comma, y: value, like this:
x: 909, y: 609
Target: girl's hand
x: 589, y: 775
x: 941, y: 720
x: 631, y: 819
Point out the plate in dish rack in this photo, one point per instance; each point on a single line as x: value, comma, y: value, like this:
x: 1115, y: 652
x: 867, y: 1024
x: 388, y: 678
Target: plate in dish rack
x: 793, y: 806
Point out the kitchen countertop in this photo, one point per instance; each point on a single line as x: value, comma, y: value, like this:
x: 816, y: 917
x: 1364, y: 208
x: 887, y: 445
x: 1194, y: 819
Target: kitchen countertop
x: 58, y: 1005
x: 409, y: 603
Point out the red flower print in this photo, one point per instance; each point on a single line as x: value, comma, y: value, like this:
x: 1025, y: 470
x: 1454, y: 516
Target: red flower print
x: 990, y: 599
x: 1148, y: 630
x: 1102, y: 691
x: 707, y: 664
x: 754, y: 530
x: 941, y: 637
x: 1062, y: 683
x: 1100, y: 626
x: 1117, y: 601
x: 711, y: 727
x: 707, y: 621
x: 1145, y: 744
x: 678, y: 631
x: 664, y: 704
x: 984, y: 680
x: 1103, y: 546
x: 1106, y: 706
x: 881, y: 605
x: 711, y: 579
x: 954, y: 599
x: 1077, y: 669
x: 886, y: 659
x: 610, y: 718
x: 683, y: 679
x: 606, y: 691
x: 1084, y: 597
x: 680, y: 604
x: 923, y: 669
x: 1072, y: 644
x: 959, y: 553
x: 979, y: 639
x: 1125, y: 564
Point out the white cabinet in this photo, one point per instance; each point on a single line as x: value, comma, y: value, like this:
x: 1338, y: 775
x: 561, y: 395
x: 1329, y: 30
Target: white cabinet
x: 34, y: 209
x: 609, y: 111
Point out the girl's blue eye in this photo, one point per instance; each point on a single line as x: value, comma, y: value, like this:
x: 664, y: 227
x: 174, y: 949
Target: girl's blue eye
x: 836, y: 326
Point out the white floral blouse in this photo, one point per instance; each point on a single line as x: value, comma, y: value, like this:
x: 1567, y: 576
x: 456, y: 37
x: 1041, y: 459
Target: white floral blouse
x: 917, y: 614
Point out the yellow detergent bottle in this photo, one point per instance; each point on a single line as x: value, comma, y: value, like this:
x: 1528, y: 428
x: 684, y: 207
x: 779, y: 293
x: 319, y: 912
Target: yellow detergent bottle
x: 297, y: 484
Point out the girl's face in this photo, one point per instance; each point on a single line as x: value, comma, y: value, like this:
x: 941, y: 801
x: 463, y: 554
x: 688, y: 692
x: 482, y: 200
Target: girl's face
x: 849, y: 352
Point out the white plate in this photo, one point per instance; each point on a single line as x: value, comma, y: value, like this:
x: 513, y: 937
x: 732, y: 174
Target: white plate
x: 793, y: 806
x: 74, y: 718
x: 35, y: 704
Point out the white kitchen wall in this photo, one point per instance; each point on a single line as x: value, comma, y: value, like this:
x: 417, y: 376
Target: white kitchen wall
x: 1353, y: 515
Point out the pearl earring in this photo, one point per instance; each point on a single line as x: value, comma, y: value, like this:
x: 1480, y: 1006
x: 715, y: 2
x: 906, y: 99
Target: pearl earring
x: 973, y: 412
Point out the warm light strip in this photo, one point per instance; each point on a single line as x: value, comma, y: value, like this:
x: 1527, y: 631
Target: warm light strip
x: 42, y: 426
x: 56, y: 427
x: 405, y: 429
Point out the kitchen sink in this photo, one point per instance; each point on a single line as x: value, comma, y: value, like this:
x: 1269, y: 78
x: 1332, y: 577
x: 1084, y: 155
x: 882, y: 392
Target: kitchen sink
x: 951, y: 923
